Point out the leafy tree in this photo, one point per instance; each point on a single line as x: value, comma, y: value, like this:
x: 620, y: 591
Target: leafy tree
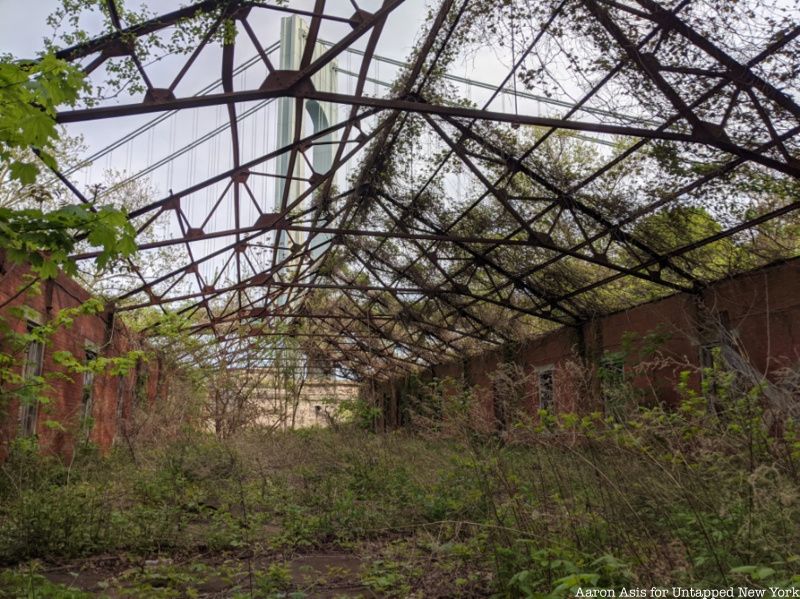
x: 41, y: 237
x: 30, y: 92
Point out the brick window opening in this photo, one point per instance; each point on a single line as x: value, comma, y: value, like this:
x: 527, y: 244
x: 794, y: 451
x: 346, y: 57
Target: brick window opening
x: 546, y: 389
x: 716, y: 375
x: 32, y: 369
x: 612, y: 384
x: 87, y: 394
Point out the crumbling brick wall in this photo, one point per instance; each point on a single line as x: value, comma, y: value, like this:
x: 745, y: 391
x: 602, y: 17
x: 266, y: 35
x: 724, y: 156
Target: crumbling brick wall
x: 57, y: 424
x: 760, y: 309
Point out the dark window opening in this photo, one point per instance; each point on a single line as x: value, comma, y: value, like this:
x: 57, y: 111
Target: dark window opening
x: 613, y: 391
x: 546, y: 389
x: 31, y: 371
x: 120, y: 411
x: 715, y: 375
x: 87, y: 394
x: 140, y: 384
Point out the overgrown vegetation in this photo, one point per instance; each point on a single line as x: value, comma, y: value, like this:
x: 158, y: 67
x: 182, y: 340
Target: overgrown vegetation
x: 684, y: 497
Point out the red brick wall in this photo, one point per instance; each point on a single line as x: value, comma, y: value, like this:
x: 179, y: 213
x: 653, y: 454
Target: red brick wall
x: 761, y: 308
x: 102, y: 332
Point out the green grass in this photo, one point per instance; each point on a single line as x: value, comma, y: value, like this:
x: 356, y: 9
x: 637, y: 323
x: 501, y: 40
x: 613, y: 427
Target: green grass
x: 667, y: 499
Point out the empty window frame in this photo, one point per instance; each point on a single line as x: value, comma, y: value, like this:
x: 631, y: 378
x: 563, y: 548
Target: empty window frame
x: 715, y: 374
x: 120, y: 411
x: 545, y: 380
x: 612, y: 373
x: 31, y: 370
x: 613, y: 391
x: 87, y: 394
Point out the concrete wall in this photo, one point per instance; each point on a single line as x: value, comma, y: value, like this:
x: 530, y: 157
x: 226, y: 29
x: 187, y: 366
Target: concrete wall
x: 660, y: 339
x: 112, y: 396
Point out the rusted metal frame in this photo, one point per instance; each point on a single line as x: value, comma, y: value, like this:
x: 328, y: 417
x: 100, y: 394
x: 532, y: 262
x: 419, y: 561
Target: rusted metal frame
x: 698, y: 72
x: 228, y: 50
x: 445, y: 345
x: 256, y: 280
x: 284, y: 209
x: 370, y: 349
x: 305, y: 73
x: 568, y: 200
x: 444, y: 10
x: 296, y: 11
x: 701, y: 130
x: 308, y: 52
x: 150, y: 292
x: 253, y: 199
x: 351, y: 122
x: 255, y: 333
x: 349, y: 356
x: 218, y: 277
x: 524, y: 55
x: 388, y: 336
x: 761, y: 56
x: 238, y: 318
x: 571, y: 203
x: 423, y: 252
x: 690, y: 187
x: 774, y: 47
x: 762, y: 112
x: 206, y: 296
x: 499, y: 242
x: 339, y: 160
x: 537, y: 293
x: 259, y: 48
x: 375, y: 22
x: 112, y: 40
x: 115, y: 21
x: 514, y: 279
x: 462, y: 215
x: 412, y: 290
x: 415, y: 69
x: 421, y: 57
x: 184, y: 268
x: 732, y: 103
x: 593, y: 91
x: 485, y: 298
x: 739, y: 74
x: 444, y: 297
x: 461, y: 309
x: 247, y: 165
x: 700, y: 100
x: 230, y: 247
x: 335, y: 339
x: 789, y: 208
x: 196, y: 52
x: 192, y: 267
x: 395, y: 104
x: 448, y: 276
x: 313, y: 34
x: 94, y: 64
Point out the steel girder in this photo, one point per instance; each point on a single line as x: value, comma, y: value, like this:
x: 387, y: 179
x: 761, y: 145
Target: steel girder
x: 422, y: 287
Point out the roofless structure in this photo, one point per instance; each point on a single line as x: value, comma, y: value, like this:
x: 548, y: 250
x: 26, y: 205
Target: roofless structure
x: 626, y: 150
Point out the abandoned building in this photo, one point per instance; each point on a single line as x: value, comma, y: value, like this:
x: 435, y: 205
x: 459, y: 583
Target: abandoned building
x: 395, y: 220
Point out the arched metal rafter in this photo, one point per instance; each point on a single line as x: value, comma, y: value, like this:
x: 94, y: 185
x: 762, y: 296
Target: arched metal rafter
x: 604, y: 243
